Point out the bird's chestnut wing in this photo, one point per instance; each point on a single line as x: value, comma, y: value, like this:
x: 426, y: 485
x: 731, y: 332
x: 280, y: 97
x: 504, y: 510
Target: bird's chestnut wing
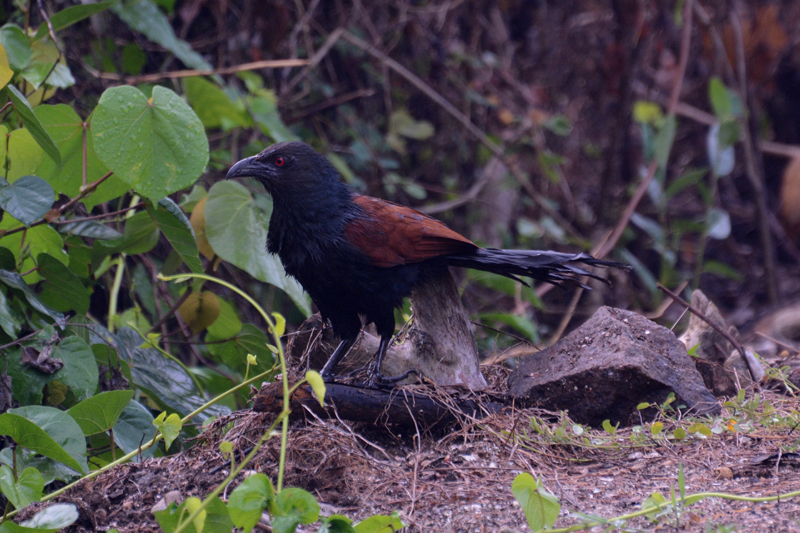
x: 390, y: 234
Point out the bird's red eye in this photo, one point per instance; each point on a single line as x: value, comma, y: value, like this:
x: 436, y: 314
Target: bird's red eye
x: 279, y: 161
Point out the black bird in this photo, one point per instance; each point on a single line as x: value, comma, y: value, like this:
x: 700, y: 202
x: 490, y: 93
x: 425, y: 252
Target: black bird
x: 360, y: 256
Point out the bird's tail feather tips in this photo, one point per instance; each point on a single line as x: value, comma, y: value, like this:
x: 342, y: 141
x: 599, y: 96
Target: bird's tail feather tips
x: 553, y: 267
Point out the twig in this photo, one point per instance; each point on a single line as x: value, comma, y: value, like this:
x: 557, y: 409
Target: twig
x: 20, y: 340
x: 209, y: 268
x: 778, y: 342
x: 715, y: 326
x: 58, y: 212
x: 686, y: 39
x: 97, y: 217
x: 752, y: 162
x: 147, y: 78
x: 659, y: 312
x: 52, y: 33
x: 470, y: 195
x: 333, y: 102
x: 171, y: 311
x: 565, y: 320
x: 318, y: 56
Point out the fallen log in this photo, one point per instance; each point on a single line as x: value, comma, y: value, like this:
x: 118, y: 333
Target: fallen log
x: 401, y: 407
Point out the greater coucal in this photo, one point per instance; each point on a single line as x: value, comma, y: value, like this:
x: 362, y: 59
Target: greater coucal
x: 357, y: 255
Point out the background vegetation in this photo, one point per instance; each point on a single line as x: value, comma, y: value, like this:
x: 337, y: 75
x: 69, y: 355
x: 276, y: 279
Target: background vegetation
x: 624, y: 129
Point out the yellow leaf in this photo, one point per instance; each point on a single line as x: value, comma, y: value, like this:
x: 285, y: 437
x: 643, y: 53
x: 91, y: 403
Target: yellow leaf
x: 280, y: 324
x: 317, y: 385
x: 192, y: 505
x: 5, y: 69
x: 198, y: 220
x: 200, y: 310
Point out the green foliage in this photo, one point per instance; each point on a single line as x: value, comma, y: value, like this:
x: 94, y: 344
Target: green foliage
x: 169, y: 426
x: 236, y: 224
x: 100, y: 412
x: 27, y: 199
x: 157, y: 145
x: 72, y: 135
x: 541, y: 508
x: 31, y: 122
x: 30, y: 435
x: 144, y: 17
x: 24, y: 490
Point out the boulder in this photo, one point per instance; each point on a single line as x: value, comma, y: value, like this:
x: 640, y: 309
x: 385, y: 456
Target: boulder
x: 605, y: 368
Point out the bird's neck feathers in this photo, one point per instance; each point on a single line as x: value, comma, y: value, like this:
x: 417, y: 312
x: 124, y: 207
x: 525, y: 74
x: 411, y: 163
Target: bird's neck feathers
x: 307, y: 213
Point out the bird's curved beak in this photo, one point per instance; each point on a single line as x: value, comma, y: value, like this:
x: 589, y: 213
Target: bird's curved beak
x: 244, y: 168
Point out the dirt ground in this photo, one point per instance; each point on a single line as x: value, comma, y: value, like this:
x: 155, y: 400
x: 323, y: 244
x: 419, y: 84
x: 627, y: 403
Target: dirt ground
x: 459, y: 479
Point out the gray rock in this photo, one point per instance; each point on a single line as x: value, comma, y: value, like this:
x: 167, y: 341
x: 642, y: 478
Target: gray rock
x: 606, y: 367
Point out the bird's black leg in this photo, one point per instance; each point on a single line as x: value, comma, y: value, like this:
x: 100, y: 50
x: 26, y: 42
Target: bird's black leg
x: 376, y: 378
x: 340, y: 351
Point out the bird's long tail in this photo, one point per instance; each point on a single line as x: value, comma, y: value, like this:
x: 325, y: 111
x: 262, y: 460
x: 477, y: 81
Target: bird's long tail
x: 554, y: 267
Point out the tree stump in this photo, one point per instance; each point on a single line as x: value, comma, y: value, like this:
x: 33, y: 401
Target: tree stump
x: 438, y: 344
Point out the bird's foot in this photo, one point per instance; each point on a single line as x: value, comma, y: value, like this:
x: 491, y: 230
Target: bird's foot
x: 329, y: 377
x: 378, y: 380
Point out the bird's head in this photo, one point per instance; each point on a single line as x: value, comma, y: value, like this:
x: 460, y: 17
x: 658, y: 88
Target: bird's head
x: 289, y: 167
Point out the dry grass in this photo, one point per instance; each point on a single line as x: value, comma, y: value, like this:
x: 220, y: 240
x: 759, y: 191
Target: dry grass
x: 459, y: 479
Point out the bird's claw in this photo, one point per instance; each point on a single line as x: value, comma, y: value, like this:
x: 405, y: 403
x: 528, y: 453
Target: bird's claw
x: 378, y: 380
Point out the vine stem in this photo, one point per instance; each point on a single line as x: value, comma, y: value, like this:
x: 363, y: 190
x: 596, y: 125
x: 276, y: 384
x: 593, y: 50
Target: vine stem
x: 115, y: 288
x: 281, y: 356
x: 688, y: 500
x: 156, y: 438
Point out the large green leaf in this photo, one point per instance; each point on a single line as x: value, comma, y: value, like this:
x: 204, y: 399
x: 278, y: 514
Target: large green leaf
x: 176, y: 227
x: 23, y: 491
x: 213, y: 106
x: 141, y: 236
x: 248, y: 500
x: 24, y: 155
x: 27, y: 199
x: 264, y: 107
x: 60, y: 427
x: 145, y: 17
x: 67, y: 130
x: 17, y: 45
x: 49, y: 469
x: 54, y: 517
x: 69, y: 16
x: 249, y: 340
x: 80, y: 371
x: 5, y: 68
x: 63, y: 290
x: 292, y: 507
x: 15, y: 281
x: 90, y: 229
x: 47, y: 66
x: 227, y: 323
x: 27, y: 245
x: 166, y: 382
x: 9, y: 321
x: 28, y: 434
x: 236, y: 227
x: 25, y: 113
x: 27, y: 384
x: 156, y: 145
x: 100, y: 412
x: 134, y: 428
